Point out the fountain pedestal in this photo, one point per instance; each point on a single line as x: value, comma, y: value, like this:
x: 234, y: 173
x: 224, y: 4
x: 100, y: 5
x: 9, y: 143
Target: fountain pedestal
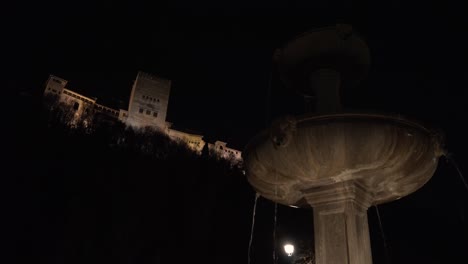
x: 340, y: 223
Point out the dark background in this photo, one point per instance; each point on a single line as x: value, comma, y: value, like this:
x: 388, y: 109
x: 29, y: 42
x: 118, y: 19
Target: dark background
x: 219, y: 57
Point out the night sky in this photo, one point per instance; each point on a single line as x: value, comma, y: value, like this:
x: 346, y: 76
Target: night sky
x: 219, y: 56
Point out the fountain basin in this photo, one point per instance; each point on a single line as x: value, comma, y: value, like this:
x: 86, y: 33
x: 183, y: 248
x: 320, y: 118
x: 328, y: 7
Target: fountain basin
x: 387, y: 156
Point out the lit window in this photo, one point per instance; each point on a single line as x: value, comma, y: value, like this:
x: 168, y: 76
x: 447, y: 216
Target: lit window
x: 141, y: 111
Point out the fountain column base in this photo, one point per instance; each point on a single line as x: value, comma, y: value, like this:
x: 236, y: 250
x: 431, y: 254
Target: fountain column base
x: 340, y: 223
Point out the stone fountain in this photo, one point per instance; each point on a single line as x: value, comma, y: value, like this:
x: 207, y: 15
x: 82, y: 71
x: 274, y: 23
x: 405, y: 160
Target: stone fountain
x: 339, y: 163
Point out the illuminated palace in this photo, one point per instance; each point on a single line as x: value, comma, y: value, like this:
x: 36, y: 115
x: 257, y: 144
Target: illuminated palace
x: 147, y: 107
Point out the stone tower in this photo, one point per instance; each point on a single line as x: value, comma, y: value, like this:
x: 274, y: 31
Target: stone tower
x: 148, y: 101
x: 54, y: 85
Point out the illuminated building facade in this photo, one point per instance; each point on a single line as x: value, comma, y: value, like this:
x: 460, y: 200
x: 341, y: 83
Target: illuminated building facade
x: 149, y: 100
x: 220, y: 149
x: 83, y: 107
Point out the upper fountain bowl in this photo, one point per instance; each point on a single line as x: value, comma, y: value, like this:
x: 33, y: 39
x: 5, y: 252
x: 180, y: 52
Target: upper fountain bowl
x: 335, y: 47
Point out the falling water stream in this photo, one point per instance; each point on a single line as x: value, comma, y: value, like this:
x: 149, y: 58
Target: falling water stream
x: 449, y: 158
x: 387, y: 255
x: 274, y: 233
x: 462, y: 178
x: 253, y: 225
x: 275, y: 220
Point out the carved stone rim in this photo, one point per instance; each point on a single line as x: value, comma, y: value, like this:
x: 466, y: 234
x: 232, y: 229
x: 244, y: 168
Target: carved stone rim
x: 368, y: 116
x: 355, y: 115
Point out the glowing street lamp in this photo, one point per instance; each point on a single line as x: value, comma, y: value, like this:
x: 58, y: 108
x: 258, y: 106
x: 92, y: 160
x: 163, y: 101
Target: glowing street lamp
x: 289, y: 249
